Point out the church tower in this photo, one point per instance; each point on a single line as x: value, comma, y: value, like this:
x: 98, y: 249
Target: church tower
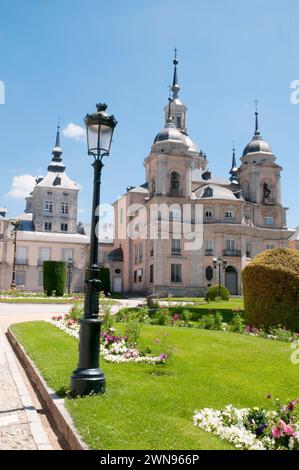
x: 259, y: 177
x: 174, y: 155
x: 54, y: 200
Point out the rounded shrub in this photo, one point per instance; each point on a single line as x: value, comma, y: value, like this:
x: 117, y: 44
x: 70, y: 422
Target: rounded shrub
x: 271, y: 289
x: 54, y: 278
x: 213, y: 293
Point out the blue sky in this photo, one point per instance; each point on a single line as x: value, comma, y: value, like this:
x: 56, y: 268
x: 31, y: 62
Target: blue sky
x: 58, y: 58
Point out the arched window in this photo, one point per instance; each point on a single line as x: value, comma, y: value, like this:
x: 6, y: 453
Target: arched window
x: 174, y: 184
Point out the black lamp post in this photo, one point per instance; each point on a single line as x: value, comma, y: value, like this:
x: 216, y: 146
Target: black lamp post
x: 219, y: 262
x: 69, y: 267
x: 88, y: 377
x: 16, y: 225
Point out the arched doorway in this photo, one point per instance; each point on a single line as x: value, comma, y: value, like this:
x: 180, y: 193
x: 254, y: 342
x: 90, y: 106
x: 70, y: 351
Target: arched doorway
x: 231, y: 280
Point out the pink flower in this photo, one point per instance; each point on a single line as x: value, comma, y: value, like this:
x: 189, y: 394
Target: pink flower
x: 276, y: 433
x: 289, y: 431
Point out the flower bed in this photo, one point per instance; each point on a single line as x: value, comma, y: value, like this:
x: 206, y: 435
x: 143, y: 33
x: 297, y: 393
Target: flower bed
x: 253, y: 429
x: 113, y: 348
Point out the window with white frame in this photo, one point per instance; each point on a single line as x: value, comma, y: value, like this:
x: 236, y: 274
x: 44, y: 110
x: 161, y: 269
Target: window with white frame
x: 48, y: 207
x: 268, y: 220
x: 48, y: 226
x: 63, y: 227
x: 64, y: 208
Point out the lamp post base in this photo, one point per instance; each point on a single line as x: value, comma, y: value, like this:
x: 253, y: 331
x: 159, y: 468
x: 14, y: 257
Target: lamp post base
x: 88, y: 378
x: 87, y: 381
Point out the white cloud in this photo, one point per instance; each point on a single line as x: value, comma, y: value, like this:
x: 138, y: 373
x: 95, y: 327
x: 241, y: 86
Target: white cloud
x: 73, y: 131
x: 21, y: 186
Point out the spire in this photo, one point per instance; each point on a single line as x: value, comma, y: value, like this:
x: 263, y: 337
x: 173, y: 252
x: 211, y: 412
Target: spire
x: 56, y: 164
x: 175, y: 85
x: 57, y: 151
x: 234, y: 170
x: 257, y: 132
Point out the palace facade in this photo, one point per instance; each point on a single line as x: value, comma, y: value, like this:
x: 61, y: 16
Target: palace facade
x: 240, y: 217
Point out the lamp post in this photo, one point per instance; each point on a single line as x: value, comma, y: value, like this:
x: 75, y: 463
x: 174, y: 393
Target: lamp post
x: 69, y: 267
x: 16, y: 225
x: 219, y: 262
x: 88, y: 377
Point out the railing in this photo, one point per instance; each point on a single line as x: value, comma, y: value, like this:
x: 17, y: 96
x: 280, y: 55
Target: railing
x: 209, y: 252
x: 232, y: 253
x: 175, y: 252
x: 21, y: 262
x: 40, y: 262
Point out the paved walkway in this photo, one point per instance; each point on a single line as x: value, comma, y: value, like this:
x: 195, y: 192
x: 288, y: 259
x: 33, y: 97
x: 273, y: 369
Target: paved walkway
x: 20, y: 425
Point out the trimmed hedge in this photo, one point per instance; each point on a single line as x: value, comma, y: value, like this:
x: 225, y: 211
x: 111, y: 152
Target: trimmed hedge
x: 213, y: 293
x: 54, y: 278
x: 271, y: 289
x: 198, y: 312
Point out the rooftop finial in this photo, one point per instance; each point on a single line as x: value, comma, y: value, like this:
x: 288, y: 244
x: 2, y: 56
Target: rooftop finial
x: 257, y: 132
x: 57, y: 151
x: 175, y: 85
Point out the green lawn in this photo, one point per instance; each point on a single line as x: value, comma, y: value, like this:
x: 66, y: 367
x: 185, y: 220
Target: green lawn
x: 151, y: 407
x: 233, y: 302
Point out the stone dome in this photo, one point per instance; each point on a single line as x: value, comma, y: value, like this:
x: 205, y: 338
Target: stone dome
x: 257, y: 144
x: 171, y: 133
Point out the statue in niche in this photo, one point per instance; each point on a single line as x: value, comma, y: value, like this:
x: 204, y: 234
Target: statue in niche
x: 267, y: 193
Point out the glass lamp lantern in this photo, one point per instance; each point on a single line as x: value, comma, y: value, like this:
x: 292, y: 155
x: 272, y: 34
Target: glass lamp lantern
x: 99, y: 128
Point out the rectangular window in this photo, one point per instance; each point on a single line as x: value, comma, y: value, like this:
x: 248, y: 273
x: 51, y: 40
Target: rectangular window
x: 48, y: 226
x: 63, y: 227
x: 44, y: 254
x: 268, y: 220
x: 140, y: 275
x: 20, y: 278
x: 176, y: 273
x: 138, y: 253
x: 209, y: 247
x: 22, y: 255
x: 269, y: 246
x: 67, y: 254
x: 175, y: 247
x: 48, y: 207
x: 40, y: 277
x: 248, y: 250
x: 135, y: 276
x: 230, y: 245
x: 151, y: 273
x: 152, y: 248
x: 64, y: 208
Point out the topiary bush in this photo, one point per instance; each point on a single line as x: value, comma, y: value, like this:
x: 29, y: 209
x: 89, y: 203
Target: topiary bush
x: 271, y: 290
x: 54, y: 278
x: 213, y: 293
